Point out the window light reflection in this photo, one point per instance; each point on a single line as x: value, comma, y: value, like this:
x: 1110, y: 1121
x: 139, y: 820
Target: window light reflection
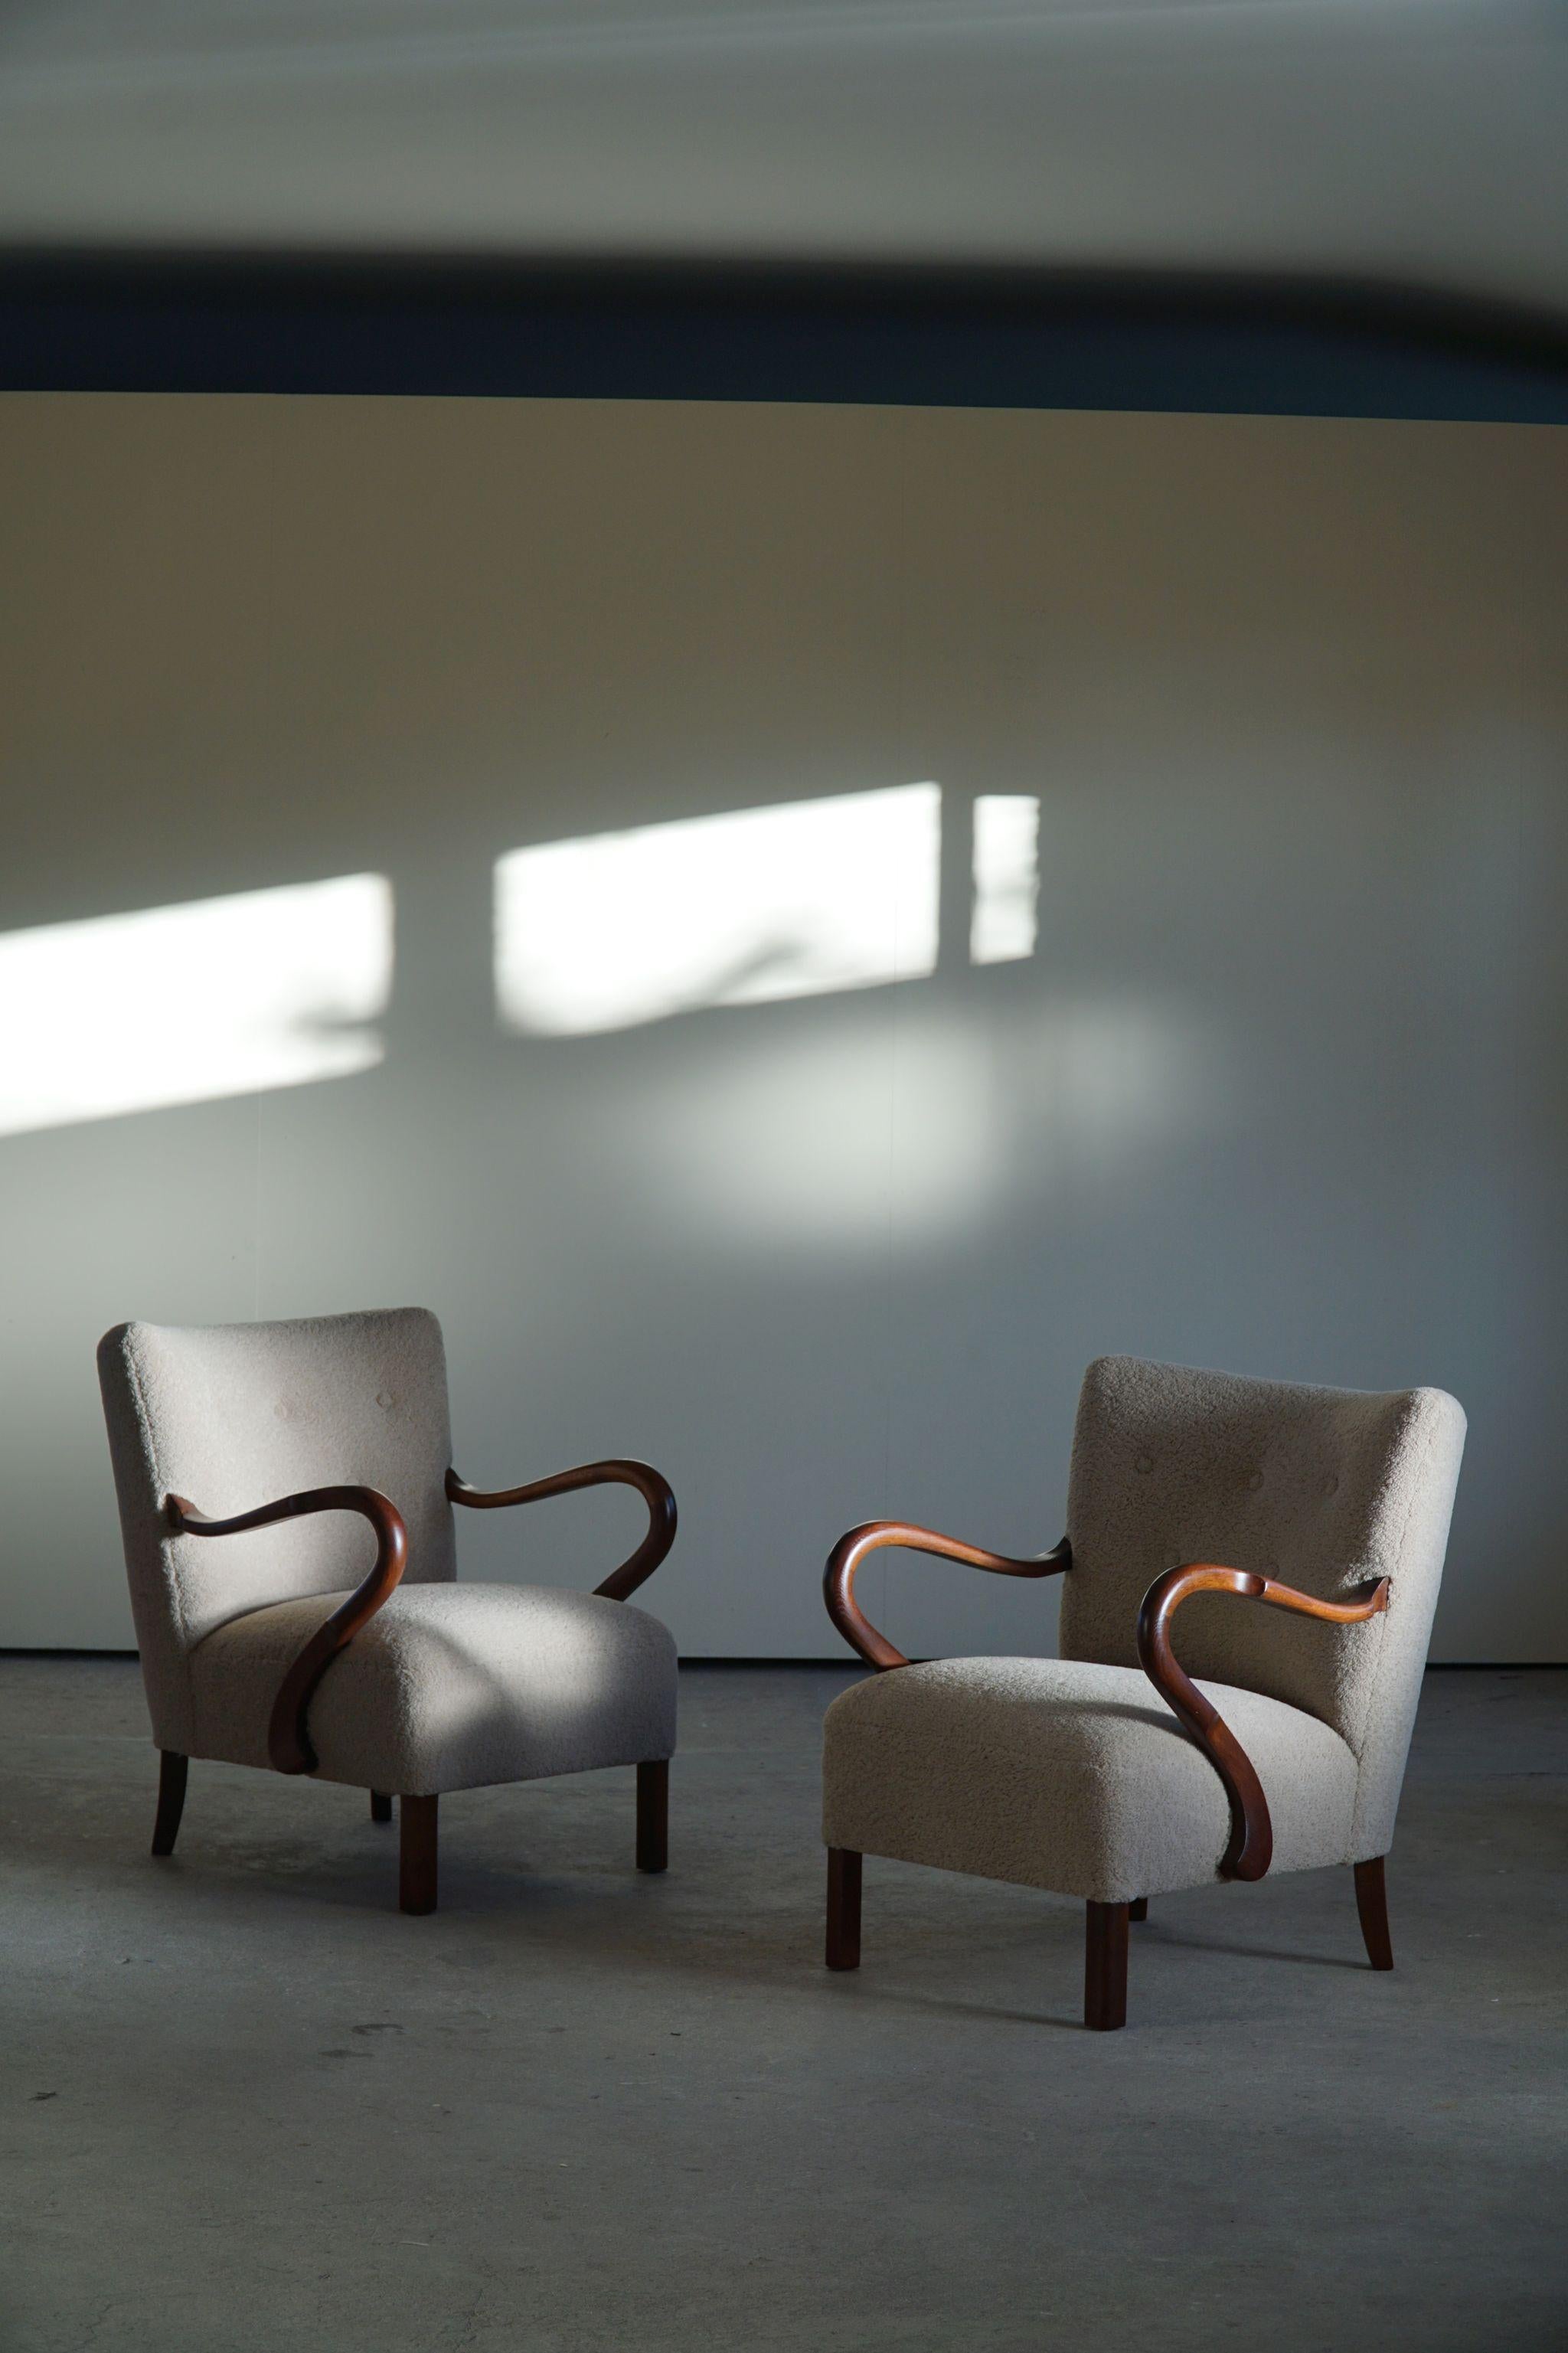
x: 1004, y: 920
x: 184, y: 1004
x: 755, y: 904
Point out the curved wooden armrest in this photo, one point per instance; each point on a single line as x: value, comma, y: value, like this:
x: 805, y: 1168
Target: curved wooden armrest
x: 651, y: 1485
x: 287, y: 1742
x: 1251, y: 1848
x: 839, y: 1579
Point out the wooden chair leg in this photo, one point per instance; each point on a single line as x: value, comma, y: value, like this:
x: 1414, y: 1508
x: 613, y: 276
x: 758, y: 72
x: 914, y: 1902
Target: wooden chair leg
x: 843, y: 1908
x: 380, y: 1805
x: 417, y: 1854
x: 172, y: 1770
x: 1371, y: 1904
x: 1105, y: 1966
x: 1139, y: 1910
x: 653, y: 1815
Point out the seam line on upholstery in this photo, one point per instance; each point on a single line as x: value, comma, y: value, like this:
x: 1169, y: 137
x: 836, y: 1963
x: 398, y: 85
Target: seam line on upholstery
x: 175, y: 1594
x: 1380, y: 1670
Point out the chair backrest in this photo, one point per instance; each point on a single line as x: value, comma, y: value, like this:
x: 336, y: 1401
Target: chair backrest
x: 234, y: 1415
x: 1320, y: 1488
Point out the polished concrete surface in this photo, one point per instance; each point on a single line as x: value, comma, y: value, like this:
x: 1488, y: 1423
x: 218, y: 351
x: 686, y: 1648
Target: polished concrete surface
x: 246, y: 2104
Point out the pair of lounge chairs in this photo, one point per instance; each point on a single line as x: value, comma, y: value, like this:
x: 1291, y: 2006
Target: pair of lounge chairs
x: 287, y: 1500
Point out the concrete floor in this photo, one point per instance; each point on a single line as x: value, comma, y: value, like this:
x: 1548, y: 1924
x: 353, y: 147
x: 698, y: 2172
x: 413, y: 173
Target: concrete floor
x: 245, y: 2104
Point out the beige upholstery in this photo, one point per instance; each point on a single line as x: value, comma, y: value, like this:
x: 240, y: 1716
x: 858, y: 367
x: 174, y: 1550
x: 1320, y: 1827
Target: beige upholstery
x: 450, y: 1685
x: 1072, y: 1774
x: 1065, y: 1775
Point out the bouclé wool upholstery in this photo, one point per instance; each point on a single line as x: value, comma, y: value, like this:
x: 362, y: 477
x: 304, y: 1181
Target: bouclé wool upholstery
x: 1073, y: 1774
x: 451, y: 1684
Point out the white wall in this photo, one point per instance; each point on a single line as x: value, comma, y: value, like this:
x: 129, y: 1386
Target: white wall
x: 1280, y: 1089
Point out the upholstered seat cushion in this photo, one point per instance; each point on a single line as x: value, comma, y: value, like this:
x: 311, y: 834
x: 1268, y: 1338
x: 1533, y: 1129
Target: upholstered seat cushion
x: 449, y: 1687
x: 1064, y: 1774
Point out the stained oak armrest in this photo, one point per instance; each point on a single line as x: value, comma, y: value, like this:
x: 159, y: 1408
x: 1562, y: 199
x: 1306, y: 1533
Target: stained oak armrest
x: 287, y: 1741
x: 845, y: 1559
x: 653, y: 1489
x: 1251, y: 1848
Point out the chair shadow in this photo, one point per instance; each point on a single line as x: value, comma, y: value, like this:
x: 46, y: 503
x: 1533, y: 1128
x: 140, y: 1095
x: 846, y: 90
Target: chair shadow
x: 1158, y: 1935
x: 581, y: 1919
x: 599, y: 1911
x: 788, y: 1961
x: 980, y: 2012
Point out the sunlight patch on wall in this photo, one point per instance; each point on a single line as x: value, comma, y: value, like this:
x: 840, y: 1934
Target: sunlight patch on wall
x: 1004, y: 920
x: 185, y: 1004
x: 797, y: 901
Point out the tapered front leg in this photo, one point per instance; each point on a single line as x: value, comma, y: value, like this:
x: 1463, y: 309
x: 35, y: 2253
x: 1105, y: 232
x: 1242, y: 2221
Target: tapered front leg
x: 1371, y: 1904
x: 172, y: 1770
x: 843, y: 1908
x: 1105, y: 1966
x: 653, y: 1815
x: 417, y: 1854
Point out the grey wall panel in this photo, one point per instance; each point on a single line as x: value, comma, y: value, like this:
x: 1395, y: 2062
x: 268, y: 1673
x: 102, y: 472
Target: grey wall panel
x: 1279, y: 1087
